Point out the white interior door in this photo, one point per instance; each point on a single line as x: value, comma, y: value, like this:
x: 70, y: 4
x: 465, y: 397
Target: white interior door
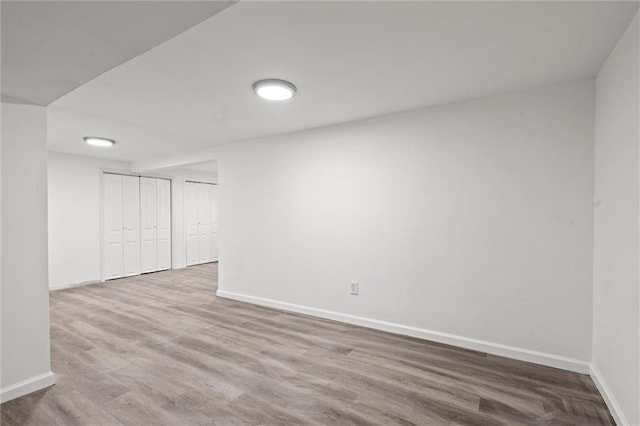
x: 191, y: 221
x: 131, y: 224
x: 148, y: 225
x: 113, y: 235
x: 213, y: 203
x: 163, y: 187
x: 204, y: 224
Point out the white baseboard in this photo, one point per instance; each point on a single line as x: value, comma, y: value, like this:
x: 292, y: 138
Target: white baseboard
x: 27, y: 386
x: 608, y: 397
x: 536, y: 357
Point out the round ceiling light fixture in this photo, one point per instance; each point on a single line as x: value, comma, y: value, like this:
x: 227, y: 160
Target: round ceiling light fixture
x: 99, y: 142
x: 274, y: 89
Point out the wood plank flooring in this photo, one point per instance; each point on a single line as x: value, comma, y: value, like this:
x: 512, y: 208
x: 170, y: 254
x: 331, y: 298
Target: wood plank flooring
x: 162, y: 349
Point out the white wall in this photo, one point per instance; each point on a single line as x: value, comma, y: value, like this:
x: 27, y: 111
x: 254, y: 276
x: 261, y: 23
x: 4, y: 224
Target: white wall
x: 616, y: 326
x: 472, y: 219
x: 25, y: 361
x: 74, y: 217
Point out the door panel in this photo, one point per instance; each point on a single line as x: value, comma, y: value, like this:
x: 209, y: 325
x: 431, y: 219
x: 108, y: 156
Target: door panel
x: 131, y: 224
x: 191, y: 221
x: 148, y: 225
x: 164, y: 223
x: 113, y: 235
x: 204, y: 224
x: 213, y: 202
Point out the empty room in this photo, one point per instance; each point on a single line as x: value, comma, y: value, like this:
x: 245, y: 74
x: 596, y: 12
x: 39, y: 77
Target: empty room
x: 320, y: 213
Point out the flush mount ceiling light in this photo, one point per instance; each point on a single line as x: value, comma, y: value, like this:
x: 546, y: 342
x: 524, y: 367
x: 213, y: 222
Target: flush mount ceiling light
x: 99, y: 142
x: 274, y: 89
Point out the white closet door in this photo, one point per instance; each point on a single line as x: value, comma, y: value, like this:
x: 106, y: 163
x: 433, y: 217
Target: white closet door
x: 191, y: 221
x: 113, y: 235
x: 149, y: 225
x: 131, y: 224
x: 164, y: 223
x: 204, y: 224
x: 213, y: 203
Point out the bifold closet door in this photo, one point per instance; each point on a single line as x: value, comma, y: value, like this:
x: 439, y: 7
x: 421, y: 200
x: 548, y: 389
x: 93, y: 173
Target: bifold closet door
x: 131, y: 225
x: 148, y: 224
x: 204, y: 224
x: 201, y: 222
x: 113, y: 235
x: 191, y: 221
x: 213, y: 214
x: 163, y: 205
x: 137, y: 225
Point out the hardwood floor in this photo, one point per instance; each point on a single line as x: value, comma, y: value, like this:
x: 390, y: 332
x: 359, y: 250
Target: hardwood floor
x: 162, y: 349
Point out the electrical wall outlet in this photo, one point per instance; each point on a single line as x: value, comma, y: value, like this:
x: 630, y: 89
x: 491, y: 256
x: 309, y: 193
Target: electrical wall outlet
x: 354, y: 288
